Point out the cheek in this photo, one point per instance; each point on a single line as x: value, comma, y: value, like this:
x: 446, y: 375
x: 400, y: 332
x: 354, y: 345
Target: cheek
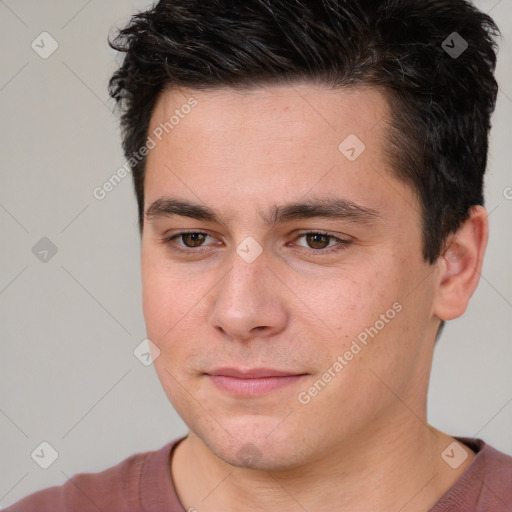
x: 166, y: 305
x: 155, y: 303
x: 162, y: 298
x: 349, y: 303
x: 174, y: 305
x: 370, y: 314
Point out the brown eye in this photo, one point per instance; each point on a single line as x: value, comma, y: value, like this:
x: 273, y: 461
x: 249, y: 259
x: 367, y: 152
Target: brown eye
x: 318, y: 240
x: 193, y: 239
x: 188, y: 242
x: 318, y: 243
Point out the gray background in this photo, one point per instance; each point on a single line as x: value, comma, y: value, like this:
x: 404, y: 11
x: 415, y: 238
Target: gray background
x: 69, y: 325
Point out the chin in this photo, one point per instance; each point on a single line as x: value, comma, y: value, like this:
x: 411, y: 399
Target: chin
x: 256, y: 442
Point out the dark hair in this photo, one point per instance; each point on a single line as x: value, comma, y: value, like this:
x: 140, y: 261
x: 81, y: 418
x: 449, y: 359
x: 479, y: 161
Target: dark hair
x: 440, y: 101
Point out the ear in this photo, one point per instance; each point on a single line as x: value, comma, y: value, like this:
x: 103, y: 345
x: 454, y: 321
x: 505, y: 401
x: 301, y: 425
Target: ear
x: 460, y: 265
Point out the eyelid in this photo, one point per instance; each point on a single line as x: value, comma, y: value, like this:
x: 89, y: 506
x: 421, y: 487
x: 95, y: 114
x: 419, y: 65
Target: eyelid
x: 341, y: 244
x: 169, y: 238
x: 339, y: 236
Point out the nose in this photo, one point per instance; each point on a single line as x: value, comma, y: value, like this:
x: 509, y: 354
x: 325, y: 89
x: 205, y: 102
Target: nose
x: 249, y: 301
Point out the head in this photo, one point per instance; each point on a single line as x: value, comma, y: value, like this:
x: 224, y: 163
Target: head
x: 255, y: 123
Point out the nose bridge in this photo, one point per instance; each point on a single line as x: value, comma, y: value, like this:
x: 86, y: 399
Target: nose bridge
x: 248, y: 298
x: 247, y: 284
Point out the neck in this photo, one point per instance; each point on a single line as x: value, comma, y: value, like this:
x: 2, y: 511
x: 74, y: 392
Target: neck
x: 398, y: 469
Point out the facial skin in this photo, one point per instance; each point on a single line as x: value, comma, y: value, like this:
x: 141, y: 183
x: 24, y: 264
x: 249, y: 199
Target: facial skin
x: 242, y: 154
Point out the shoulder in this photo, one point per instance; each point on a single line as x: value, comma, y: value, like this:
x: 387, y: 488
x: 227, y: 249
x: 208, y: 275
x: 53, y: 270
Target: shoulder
x: 494, y: 478
x: 498, y: 475
x: 116, y: 488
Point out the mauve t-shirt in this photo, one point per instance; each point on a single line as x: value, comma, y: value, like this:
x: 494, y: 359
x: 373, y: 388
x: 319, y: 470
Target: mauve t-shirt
x: 142, y: 483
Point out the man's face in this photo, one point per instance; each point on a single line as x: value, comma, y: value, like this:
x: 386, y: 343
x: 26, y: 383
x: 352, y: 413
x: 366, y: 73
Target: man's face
x: 342, y: 302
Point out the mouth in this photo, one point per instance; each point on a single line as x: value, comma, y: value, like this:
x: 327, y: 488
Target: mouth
x: 256, y: 381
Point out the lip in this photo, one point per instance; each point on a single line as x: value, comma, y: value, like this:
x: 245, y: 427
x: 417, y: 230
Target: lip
x: 255, y: 381
x: 253, y: 373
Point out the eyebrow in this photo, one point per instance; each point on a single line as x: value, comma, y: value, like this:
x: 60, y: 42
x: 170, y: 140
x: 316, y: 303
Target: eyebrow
x: 328, y: 208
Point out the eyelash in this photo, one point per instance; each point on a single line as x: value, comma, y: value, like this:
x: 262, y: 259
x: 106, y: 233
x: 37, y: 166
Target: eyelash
x: 340, y: 246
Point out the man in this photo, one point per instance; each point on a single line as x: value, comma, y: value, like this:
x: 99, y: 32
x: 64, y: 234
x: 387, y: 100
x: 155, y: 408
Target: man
x: 309, y: 181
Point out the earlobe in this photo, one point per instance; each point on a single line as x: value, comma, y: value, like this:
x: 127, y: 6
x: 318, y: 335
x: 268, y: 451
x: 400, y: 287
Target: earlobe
x: 460, y: 265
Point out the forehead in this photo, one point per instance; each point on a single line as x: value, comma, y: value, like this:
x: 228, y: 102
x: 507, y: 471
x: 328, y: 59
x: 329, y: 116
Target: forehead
x: 308, y: 107
x: 270, y: 143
